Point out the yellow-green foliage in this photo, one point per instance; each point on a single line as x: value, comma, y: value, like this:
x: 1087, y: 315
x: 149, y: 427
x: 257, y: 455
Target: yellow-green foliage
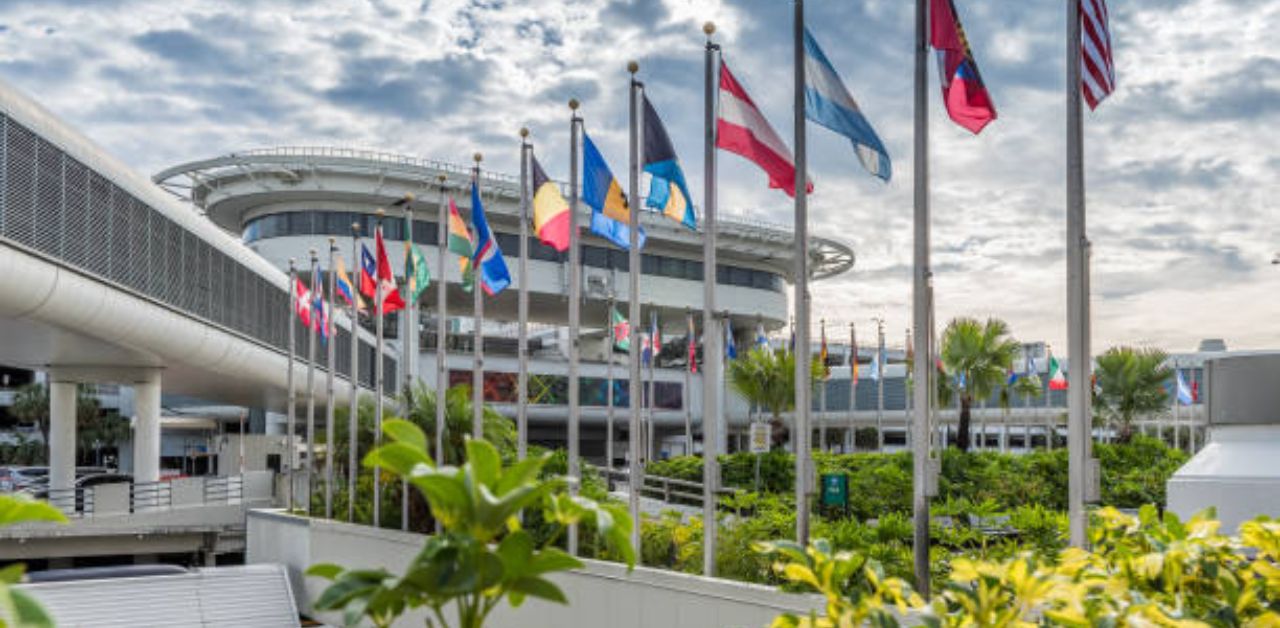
x: 17, y: 609
x: 1142, y: 571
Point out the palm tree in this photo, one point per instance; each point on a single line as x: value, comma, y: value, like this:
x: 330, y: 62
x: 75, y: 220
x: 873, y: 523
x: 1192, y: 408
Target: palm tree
x: 498, y: 430
x: 31, y: 405
x: 97, y: 432
x: 979, y: 355
x: 767, y: 380
x: 1132, y: 383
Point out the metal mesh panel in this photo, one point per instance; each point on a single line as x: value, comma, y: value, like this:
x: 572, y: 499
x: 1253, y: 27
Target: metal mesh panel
x: 4, y: 188
x: 47, y: 221
x: 138, y: 255
x: 99, y: 225
x: 20, y: 175
x: 76, y: 227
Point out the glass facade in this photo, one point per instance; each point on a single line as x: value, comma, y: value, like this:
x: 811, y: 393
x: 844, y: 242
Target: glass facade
x: 553, y: 390
x: 336, y: 223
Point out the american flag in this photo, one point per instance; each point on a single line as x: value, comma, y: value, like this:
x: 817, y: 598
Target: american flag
x: 1098, y: 72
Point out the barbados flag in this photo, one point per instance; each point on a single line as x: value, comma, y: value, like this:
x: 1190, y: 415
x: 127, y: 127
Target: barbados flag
x: 668, y: 192
x: 610, y: 215
x: 550, y: 210
x: 963, y: 91
x: 494, y: 276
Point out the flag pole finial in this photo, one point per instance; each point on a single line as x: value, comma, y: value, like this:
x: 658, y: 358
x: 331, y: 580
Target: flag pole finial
x: 633, y: 67
x: 477, y: 157
x: 292, y: 263
x: 332, y: 241
x: 573, y: 104
x: 442, y: 178
x: 709, y: 28
x: 314, y: 257
x: 355, y: 228
x: 524, y: 132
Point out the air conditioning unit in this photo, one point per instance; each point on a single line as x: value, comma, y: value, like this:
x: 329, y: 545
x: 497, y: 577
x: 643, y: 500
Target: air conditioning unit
x: 599, y: 284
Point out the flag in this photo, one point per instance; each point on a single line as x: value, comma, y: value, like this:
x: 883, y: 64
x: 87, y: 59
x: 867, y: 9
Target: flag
x: 494, y: 277
x: 828, y: 102
x: 610, y: 214
x: 368, y: 270
x: 655, y: 333
x: 417, y: 274
x: 1097, y: 70
x: 1057, y: 378
x: 550, y: 210
x: 875, y: 367
x: 321, y: 309
x: 761, y: 339
x: 1195, y: 391
x: 692, y: 341
x: 822, y: 354
x: 346, y: 289
x: 1182, y: 390
x: 459, y: 243
x: 730, y: 349
x: 389, y: 293
x: 621, y: 330
x: 963, y: 91
x: 668, y: 192
x: 853, y: 356
x: 302, y: 302
x: 742, y: 129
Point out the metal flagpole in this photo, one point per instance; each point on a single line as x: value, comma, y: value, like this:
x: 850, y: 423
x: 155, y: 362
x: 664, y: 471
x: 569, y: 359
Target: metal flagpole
x: 409, y: 346
x: 575, y: 317
x: 442, y: 315
x: 477, y: 291
x: 822, y: 396
x: 711, y: 349
x: 311, y: 379
x: 907, y: 394
x: 293, y: 394
x: 1078, y: 406
x: 378, y: 374
x: 851, y: 438
x: 522, y: 350
x: 329, y: 385
x: 648, y: 387
x: 1048, y: 410
x: 804, y: 391
x: 608, y: 393
x: 1177, y: 425
x: 920, y: 308
x: 881, y: 370
x: 688, y: 385
x: 353, y: 404
x: 633, y: 306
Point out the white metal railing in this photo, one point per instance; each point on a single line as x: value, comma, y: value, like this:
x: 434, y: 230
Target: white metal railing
x: 670, y: 490
x: 377, y: 156
x: 85, y: 502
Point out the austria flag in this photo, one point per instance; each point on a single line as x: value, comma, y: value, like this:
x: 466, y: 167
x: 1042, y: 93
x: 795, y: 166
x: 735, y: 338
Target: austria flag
x: 742, y: 129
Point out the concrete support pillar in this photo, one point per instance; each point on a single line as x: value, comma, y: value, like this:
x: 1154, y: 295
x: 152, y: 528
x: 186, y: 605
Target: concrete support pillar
x: 62, y: 437
x: 146, y: 429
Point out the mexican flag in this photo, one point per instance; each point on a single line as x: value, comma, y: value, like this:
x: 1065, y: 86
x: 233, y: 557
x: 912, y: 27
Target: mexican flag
x: 621, y: 331
x: 1057, y: 379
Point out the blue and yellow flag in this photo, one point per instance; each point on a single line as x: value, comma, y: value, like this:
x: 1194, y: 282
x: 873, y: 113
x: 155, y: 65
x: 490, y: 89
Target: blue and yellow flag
x: 668, y: 192
x: 610, y: 214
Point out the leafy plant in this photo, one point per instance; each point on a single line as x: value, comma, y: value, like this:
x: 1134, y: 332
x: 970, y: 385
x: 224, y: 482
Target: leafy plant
x: 484, y: 555
x: 1130, y: 383
x: 979, y: 355
x: 17, y: 609
x: 766, y: 378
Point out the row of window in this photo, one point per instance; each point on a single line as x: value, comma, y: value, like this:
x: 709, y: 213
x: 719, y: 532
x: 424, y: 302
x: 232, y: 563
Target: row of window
x: 425, y: 232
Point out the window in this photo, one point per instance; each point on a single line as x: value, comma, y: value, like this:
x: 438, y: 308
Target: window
x: 594, y: 256
x: 510, y: 244
x: 425, y: 232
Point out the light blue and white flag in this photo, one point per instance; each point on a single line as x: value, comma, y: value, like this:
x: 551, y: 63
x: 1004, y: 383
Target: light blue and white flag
x: 874, y: 371
x: 828, y: 103
x: 761, y: 339
x: 1183, y: 391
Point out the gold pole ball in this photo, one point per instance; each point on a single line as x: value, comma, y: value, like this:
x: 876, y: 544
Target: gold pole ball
x: 478, y: 157
x: 524, y: 131
x: 355, y: 226
x: 573, y: 104
x: 381, y: 212
x: 408, y: 197
x: 709, y: 28
x: 633, y: 67
x: 332, y: 240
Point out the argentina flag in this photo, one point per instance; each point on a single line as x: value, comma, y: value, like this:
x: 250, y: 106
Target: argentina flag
x: 828, y: 103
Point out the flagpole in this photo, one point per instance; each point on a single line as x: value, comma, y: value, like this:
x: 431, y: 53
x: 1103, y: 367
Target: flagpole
x: 293, y: 394
x: 1177, y: 436
x: 522, y: 350
x: 1078, y: 405
x: 881, y: 370
x: 311, y: 378
x: 920, y: 308
x: 907, y: 394
x: 822, y: 395
x: 710, y: 328
x: 688, y: 387
x: 378, y: 368
x: 477, y: 291
x: 328, y: 406
x: 409, y: 345
x: 608, y: 393
x: 353, y: 404
x: 851, y: 439
x: 575, y: 317
x: 648, y: 386
x: 442, y: 316
x: 633, y: 306
x: 804, y: 391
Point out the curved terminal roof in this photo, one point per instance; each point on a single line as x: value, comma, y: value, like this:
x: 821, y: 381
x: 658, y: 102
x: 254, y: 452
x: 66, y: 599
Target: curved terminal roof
x: 217, y: 187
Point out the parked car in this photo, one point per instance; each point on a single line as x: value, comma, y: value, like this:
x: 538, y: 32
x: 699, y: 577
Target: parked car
x: 13, y: 479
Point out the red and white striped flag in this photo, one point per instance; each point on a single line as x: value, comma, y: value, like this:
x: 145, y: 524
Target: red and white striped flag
x: 1097, y: 71
x: 742, y: 129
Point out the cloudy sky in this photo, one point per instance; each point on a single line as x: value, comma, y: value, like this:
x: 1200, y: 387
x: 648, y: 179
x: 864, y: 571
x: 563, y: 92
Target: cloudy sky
x: 1182, y: 164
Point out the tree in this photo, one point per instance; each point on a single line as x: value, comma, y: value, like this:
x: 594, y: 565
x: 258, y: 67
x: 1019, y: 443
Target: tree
x: 498, y: 430
x: 1132, y: 383
x: 978, y: 355
x: 31, y: 405
x: 96, y: 432
x: 767, y: 380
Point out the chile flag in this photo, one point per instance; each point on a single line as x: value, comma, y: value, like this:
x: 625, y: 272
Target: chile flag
x: 963, y: 91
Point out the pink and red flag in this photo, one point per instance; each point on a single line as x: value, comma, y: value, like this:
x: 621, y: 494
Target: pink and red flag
x: 963, y: 92
x: 1097, y: 71
x: 742, y: 129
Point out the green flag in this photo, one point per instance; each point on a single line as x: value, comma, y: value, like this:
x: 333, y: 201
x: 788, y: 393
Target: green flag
x: 419, y: 276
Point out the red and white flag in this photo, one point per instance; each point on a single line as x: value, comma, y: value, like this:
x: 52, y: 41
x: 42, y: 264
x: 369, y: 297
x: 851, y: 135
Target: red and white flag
x: 302, y: 301
x: 742, y: 129
x: 1097, y: 70
x: 390, y: 296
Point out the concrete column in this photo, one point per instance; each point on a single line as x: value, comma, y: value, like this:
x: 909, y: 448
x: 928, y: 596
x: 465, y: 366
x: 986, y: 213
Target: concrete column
x: 62, y: 435
x: 146, y: 429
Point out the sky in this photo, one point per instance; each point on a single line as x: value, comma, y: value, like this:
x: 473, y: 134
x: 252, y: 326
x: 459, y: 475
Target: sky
x: 1181, y: 162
